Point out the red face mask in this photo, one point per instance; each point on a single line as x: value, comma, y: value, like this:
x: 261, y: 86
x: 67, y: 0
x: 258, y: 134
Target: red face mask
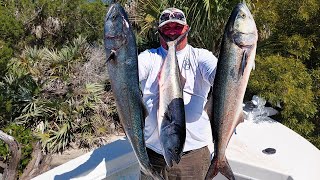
x: 173, y: 30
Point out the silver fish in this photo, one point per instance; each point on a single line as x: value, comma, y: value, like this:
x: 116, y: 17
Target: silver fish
x: 122, y: 65
x: 171, y: 114
x: 235, y: 62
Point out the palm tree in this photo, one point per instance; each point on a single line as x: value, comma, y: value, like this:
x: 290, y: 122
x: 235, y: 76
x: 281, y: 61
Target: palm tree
x: 206, y: 18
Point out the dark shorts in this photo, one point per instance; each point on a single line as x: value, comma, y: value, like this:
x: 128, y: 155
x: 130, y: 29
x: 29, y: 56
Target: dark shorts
x: 193, y: 165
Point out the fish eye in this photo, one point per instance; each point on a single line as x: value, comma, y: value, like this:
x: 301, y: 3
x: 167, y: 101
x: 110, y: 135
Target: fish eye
x: 242, y: 15
x: 114, y: 16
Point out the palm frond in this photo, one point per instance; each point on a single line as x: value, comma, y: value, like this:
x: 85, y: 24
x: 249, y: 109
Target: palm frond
x: 51, y: 55
x: 36, y: 109
x: 33, y: 53
x: 147, y: 14
x: 59, y: 139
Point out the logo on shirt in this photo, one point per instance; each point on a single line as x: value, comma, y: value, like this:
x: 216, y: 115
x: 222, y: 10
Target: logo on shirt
x: 186, y: 64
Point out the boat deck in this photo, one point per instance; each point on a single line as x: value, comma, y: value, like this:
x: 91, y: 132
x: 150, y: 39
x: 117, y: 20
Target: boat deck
x: 289, y: 156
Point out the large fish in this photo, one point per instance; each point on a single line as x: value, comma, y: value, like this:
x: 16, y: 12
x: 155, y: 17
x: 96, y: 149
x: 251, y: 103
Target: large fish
x: 122, y: 65
x: 235, y: 62
x: 171, y: 114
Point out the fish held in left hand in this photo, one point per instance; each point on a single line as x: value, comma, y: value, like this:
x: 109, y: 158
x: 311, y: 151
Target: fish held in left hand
x: 122, y: 65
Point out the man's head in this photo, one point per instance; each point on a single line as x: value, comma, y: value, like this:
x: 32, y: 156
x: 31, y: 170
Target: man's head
x: 172, y: 24
x: 172, y: 15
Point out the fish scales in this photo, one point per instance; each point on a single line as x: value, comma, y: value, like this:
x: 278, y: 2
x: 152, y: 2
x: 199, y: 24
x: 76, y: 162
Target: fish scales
x: 235, y: 62
x: 122, y: 66
x: 171, y: 113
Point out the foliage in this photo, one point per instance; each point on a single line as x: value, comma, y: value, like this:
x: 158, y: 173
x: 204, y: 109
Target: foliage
x: 288, y: 62
x: 315, y: 137
x: 207, y: 16
x: 15, y: 93
x: 25, y: 138
x: 53, y: 81
x: 11, y: 29
x: 290, y: 31
x: 286, y: 81
x: 69, y: 86
x: 53, y: 23
x: 202, y: 16
x: 5, y: 54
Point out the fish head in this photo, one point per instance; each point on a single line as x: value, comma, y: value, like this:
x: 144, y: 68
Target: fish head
x: 116, y: 28
x: 244, y: 21
x: 172, y: 139
x: 242, y: 27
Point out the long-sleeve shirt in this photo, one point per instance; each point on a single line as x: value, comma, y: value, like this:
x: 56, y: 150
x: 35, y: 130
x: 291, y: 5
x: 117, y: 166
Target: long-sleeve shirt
x: 198, y: 67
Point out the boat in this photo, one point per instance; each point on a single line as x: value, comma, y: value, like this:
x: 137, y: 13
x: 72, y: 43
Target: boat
x: 260, y: 149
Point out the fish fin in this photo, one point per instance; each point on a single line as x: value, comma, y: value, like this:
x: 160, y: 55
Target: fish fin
x: 112, y: 55
x: 254, y: 65
x: 241, y: 118
x: 144, y: 113
x: 227, y: 171
x: 208, y: 106
x: 243, y: 62
x: 182, y: 81
x: 223, y: 167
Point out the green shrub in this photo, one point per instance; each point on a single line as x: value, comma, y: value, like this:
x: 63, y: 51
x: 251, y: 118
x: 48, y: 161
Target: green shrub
x: 25, y: 139
x: 286, y: 81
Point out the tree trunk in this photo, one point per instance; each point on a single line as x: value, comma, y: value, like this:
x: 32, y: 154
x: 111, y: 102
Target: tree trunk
x: 38, y: 164
x: 10, y: 172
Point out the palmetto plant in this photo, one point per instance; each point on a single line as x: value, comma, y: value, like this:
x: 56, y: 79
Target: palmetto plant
x: 63, y: 96
x: 56, y: 91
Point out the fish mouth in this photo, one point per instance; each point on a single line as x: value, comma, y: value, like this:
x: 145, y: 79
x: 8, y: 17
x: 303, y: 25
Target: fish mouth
x: 172, y: 147
x: 110, y: 10
x: 172, y: 155
x: 168, y: 158
x: 175, y: 155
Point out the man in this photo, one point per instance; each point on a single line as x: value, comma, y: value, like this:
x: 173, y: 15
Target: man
x: 198, y: 67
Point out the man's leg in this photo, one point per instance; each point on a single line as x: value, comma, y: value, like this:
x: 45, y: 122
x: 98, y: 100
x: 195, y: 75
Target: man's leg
x: 193, y: 165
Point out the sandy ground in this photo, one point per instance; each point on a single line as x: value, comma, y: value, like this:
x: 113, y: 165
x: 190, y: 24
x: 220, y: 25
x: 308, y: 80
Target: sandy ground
x: 73, y: 153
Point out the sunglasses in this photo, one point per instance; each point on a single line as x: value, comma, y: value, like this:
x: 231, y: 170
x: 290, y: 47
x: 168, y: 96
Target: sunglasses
x: 172, y: 15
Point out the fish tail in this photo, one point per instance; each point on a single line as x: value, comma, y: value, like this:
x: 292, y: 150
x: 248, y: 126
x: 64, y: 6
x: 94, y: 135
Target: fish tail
x: 153, y: 173
x: 219, y: 166
x: 157, y: 176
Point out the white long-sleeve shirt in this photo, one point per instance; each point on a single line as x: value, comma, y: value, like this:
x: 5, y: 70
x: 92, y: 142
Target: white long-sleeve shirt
x: 198, y: 67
